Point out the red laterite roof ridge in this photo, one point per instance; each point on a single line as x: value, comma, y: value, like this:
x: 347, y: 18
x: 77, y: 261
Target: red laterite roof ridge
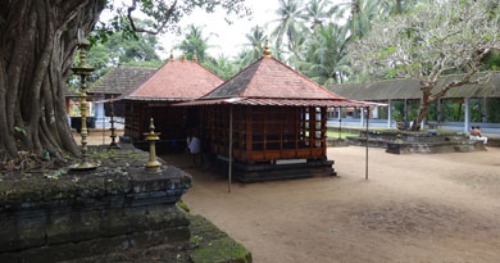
x: 177, y: 80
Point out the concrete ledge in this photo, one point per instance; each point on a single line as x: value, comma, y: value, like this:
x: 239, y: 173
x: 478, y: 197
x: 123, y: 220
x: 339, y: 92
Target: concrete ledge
x: 465, y: 146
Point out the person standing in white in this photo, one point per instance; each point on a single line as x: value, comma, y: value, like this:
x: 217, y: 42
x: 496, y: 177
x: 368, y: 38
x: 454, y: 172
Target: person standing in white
x: 194, y: 147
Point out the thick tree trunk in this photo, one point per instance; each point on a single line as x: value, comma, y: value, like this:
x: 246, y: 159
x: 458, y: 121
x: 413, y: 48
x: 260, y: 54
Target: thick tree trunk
x: 37, y: 43
x: 422, y: 114
x: 424, y: 108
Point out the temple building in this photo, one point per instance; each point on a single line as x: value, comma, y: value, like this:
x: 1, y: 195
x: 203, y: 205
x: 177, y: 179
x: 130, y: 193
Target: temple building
x: 268, y: 122
x: 177, y: 81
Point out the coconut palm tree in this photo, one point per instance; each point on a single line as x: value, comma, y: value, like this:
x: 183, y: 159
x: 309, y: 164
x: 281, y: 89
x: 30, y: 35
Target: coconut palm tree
x: 362, y: 13
x: 290, y: 24
x: 221, y: 66
x: 326, y: 55
x: 253, y: 48
x: 194, y: 40
x: 318, y: 12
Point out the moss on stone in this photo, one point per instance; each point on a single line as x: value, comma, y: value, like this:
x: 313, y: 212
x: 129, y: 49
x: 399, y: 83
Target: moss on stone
x: 221, y: 251
x: 215, y: 246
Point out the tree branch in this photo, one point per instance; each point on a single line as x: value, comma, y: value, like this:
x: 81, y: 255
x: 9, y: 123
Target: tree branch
x: 164, y: 20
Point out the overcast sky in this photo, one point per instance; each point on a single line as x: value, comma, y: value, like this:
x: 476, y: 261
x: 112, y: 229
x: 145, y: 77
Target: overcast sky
x: 224, y: 38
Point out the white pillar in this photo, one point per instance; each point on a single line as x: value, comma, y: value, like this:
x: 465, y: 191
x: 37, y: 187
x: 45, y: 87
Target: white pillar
x: 389, y: 114
x: 466, y: 115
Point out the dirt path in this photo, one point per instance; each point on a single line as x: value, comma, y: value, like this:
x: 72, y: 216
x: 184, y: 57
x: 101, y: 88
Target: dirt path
x: 414, y: 208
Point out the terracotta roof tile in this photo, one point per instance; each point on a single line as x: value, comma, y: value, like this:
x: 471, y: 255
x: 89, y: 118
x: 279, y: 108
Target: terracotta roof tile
x: 177, y: 80
x: 121, y: 80
x: 270, y: 78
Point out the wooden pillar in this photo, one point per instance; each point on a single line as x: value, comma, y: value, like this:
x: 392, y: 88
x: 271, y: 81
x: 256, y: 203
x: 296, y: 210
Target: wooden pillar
x: 249, y: 127
x: 324, y: 113
x: 296, y: 124
x: 282, y: 127
x: 312, y: 126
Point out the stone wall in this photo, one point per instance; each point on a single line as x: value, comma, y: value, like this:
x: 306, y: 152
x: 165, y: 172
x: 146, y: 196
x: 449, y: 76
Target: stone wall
x: 117, y: 207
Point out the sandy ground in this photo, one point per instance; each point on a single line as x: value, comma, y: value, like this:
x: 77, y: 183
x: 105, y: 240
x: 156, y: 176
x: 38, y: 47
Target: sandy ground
x: 413, y: 208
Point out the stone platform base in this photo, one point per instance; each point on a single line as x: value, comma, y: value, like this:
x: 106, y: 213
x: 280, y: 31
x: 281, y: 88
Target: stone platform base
x: 407, y: 142
x: 465, y: 146
x: 63, y: 215
x: 249, y: 173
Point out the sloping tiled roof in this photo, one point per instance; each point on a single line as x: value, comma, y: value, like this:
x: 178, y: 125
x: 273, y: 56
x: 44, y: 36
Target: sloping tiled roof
x: 269, y: 82
x: 410, y: 89
x: 270, y: 78
x: 178, y: 80
x: 121, y: 80
x: 283, y: 102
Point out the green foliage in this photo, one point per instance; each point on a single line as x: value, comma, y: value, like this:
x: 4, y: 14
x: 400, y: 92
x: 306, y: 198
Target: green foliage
x: 183, y: 206
x: 221, y: 66
x: 117, y: 48
x: 164, y: 15
x: 221, y: 250
x: 56, y: 173
x: 453, y: 110
x: 194, y: 41
x: 492, y: 61
x: 20, y: 130
x: 145, y: 64
x: 196, y: 240
x: 493, y: 110
x: 254, y: 47
x: 291, y: 23
x: 326, y: 55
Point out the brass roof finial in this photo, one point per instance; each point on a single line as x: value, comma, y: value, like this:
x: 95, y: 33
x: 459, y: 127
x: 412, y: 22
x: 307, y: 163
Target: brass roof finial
x: 171, y: 54
x: 195, y: 56
x: 183, y: 58
x: 267, y: 52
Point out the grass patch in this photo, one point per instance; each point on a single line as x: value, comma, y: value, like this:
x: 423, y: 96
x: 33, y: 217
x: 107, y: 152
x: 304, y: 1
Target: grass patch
x: 343, y: 135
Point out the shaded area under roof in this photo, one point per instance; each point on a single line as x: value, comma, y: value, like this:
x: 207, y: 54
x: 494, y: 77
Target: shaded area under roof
x: 178, y: 80
x: 410, y: 89
x: 121, y: 80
